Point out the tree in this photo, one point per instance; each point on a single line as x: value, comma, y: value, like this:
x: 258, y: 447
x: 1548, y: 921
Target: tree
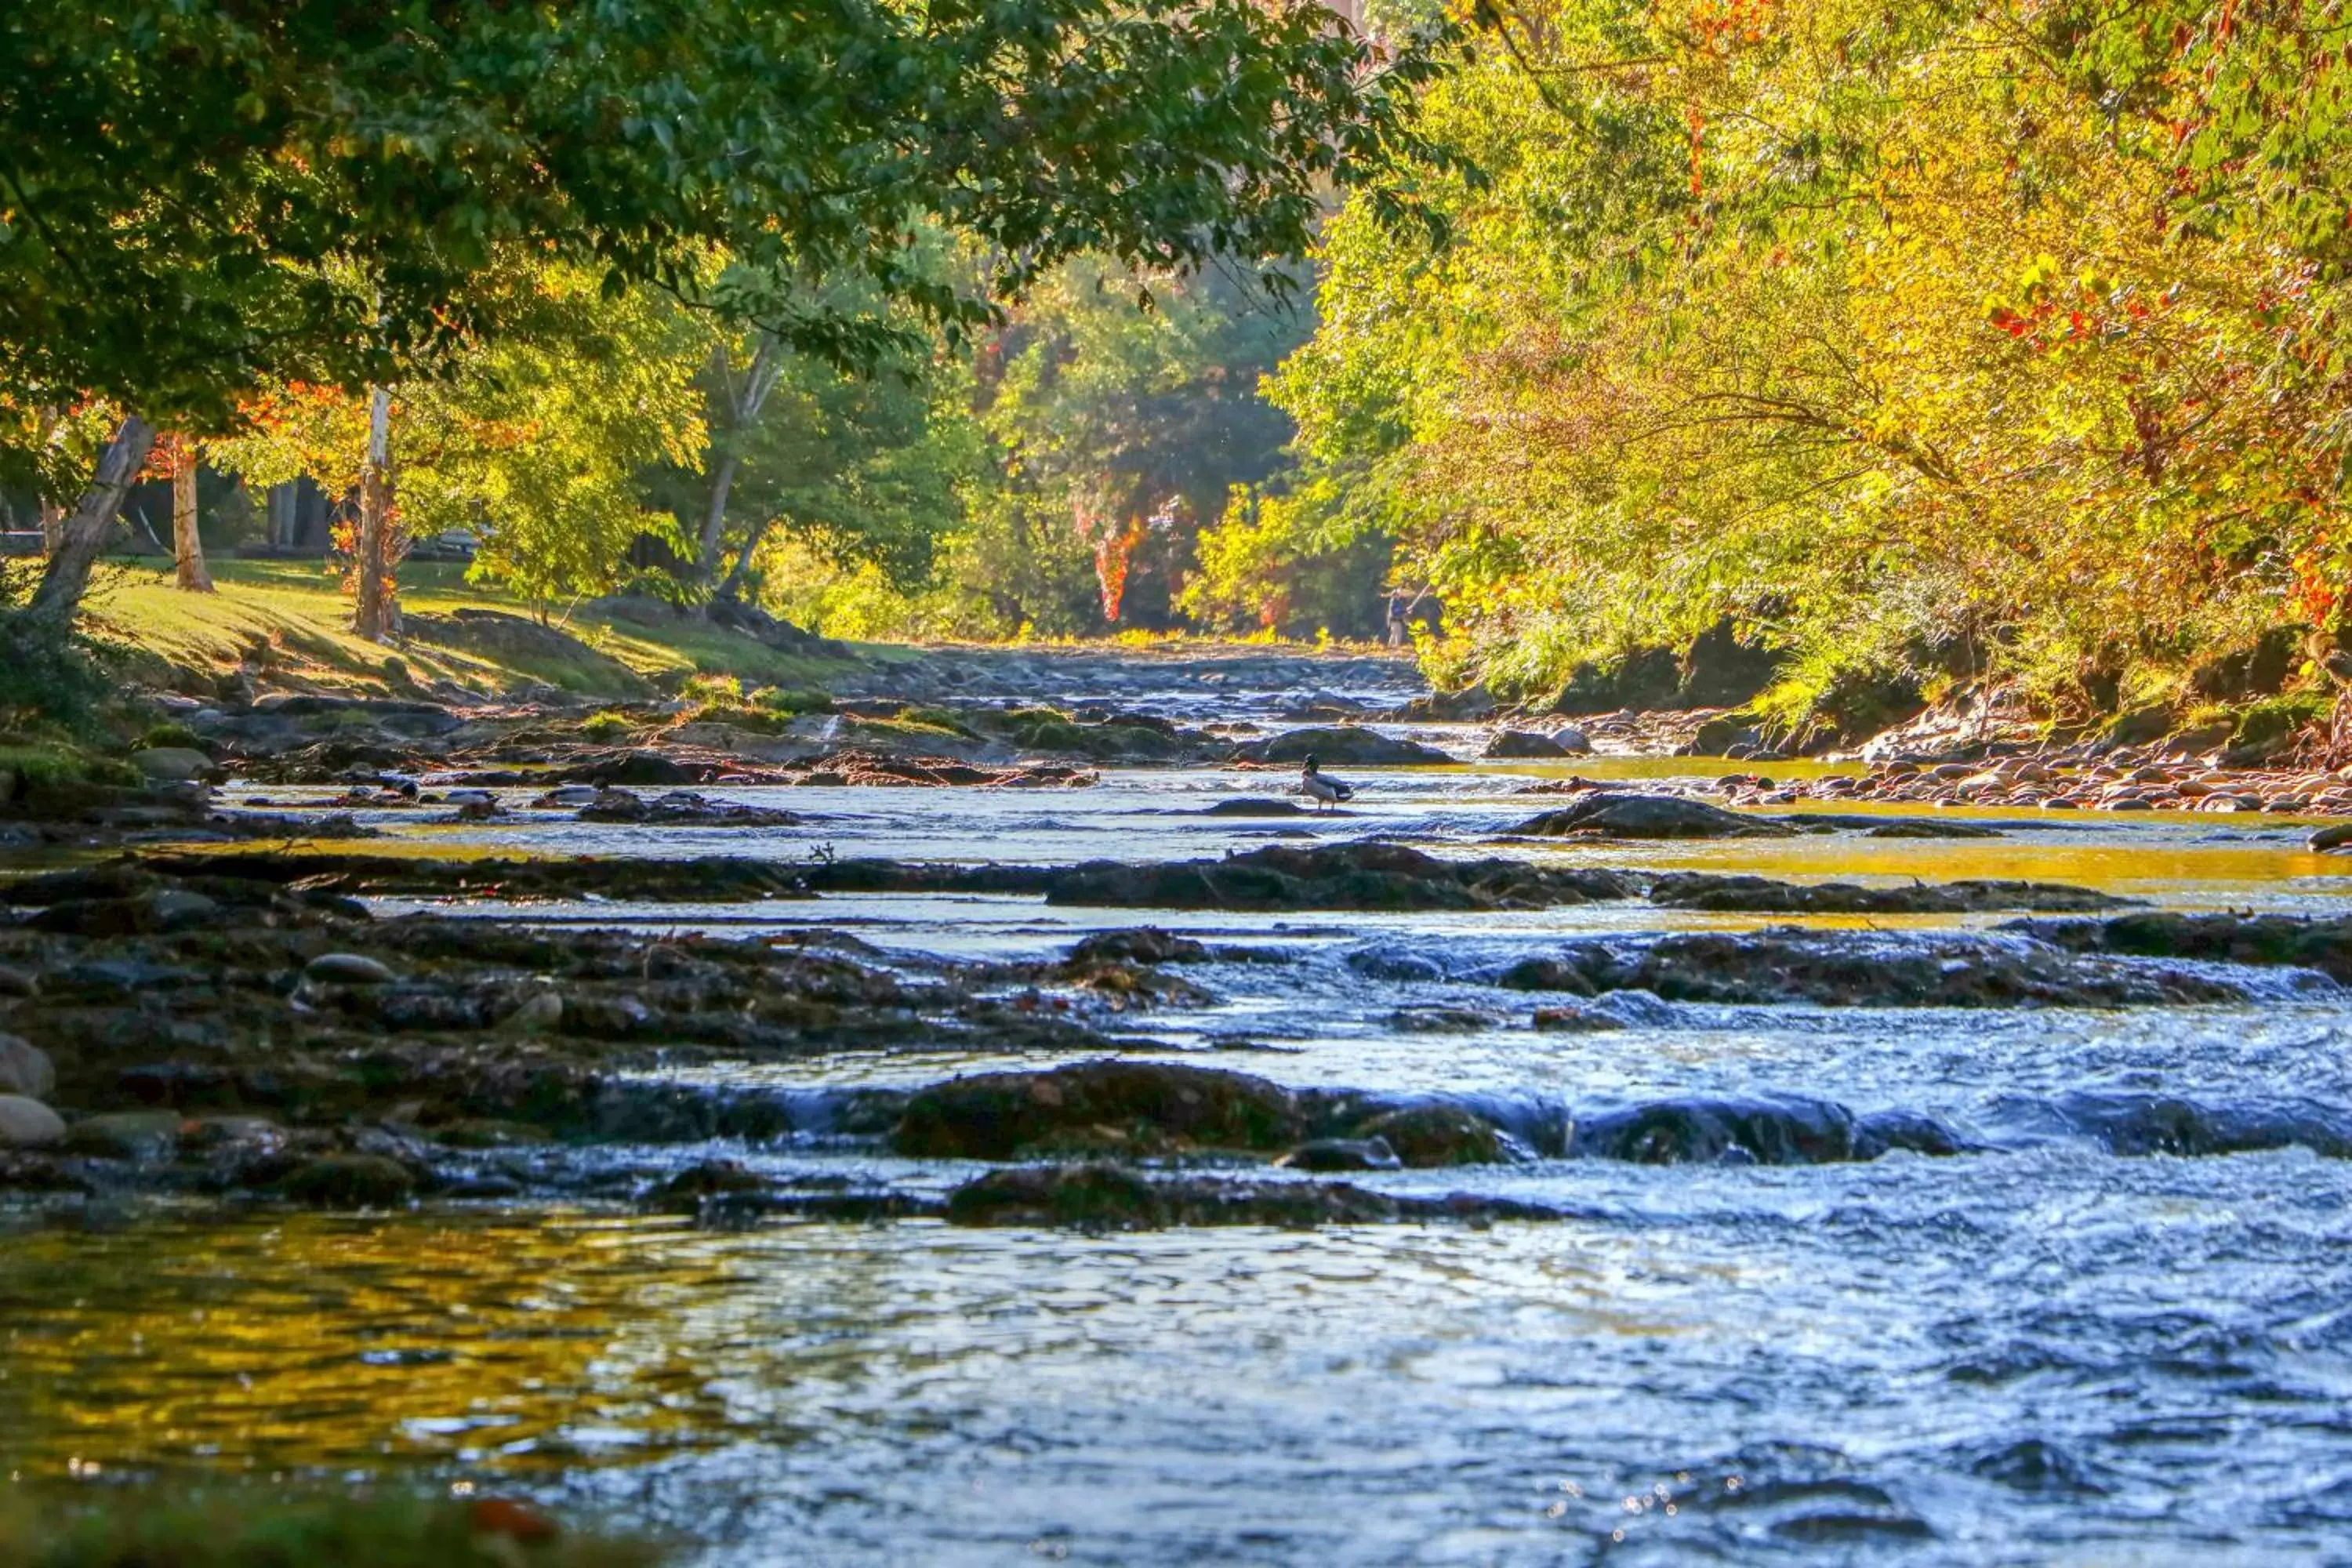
x: 307, y: 194
x: 532, y: 444
x: 188, y: 543
x: 1131, y: 401
x: 1925, y: 341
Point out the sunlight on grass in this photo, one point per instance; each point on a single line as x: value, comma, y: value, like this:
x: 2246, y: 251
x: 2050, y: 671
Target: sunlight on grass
x: 295, y: 617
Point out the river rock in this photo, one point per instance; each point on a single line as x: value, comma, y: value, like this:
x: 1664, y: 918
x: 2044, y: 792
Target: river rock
x: 2322, y: 944
x: 26, y: 1123
x: 1705, y: 890
x: 1570, y: 1020
x: 348, y: 969
x: 1146, y: 944
x: 1772, y: 1131
x: 2335, y: 836
x: 571, y: 797
x: 175, y: 764
x: 994, y: 1116
x: 2139, y: 1124
x: 137, y: 1135
x: 351, y: 1182
x: 1605, y: 815
x: 1255, y: 806
x: 157, y: 910
x: 539, y: 1013
x: 1354, y: 875
x: 26, y: 1068
x: 1430, y: 1135
x: 1344, y: 745
x: 1527, y: 743
x: 1861, y: 969
x: 1371, y: 1154
x: 1442, y: 1020
x: 1112, y: 1197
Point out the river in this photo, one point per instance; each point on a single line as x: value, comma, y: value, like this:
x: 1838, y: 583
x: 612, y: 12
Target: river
x: 2052, y: 1347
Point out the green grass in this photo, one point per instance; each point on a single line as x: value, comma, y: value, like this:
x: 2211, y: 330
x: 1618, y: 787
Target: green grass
x: 225, y: 1531
x: 294, y: 619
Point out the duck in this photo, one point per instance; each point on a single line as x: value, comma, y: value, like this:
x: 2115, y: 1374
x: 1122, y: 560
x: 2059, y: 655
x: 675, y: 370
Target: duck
x: 1322, y: 787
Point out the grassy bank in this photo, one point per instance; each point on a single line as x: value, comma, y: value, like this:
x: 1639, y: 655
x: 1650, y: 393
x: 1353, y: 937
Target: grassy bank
x: 290, y: 621
x: 236, y: 1529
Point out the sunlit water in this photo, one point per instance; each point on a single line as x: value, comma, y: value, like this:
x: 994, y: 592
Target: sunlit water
x: 2043, y: 1352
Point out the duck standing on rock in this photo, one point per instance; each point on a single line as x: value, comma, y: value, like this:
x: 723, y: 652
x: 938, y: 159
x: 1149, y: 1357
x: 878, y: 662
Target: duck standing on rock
x: 1321, y: 786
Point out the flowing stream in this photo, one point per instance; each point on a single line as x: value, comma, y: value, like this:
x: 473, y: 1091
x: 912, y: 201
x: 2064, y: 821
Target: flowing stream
x: 2054, y: 1348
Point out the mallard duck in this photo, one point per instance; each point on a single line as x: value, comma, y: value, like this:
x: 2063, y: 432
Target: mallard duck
x: 1321, y: 786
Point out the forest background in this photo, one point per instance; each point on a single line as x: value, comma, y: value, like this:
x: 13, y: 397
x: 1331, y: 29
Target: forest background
x: 1912, y: 345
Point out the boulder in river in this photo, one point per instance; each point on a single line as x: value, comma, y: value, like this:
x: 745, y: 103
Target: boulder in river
x: 1608, y: 816
x: 1344, y: 745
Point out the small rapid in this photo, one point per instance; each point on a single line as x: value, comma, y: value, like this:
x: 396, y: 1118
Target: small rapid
x: 1824, y: 1237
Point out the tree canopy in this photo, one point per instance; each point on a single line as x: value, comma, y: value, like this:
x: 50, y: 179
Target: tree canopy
x: 1923, y: 339
x: 199, y: 198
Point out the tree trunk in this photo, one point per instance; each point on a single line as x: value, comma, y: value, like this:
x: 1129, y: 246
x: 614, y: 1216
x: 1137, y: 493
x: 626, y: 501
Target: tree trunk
x: 714, y: 521
x: 188, y: 544
x: 285, y: 521
x: 376, y: 610
x: 53, y: 526
x: 66, y: 577
x: 733, y: 587
x: 743, y: 406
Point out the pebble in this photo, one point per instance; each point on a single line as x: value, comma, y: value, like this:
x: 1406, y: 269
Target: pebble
x: 26, y: 1068
x: 348, y: 969
x: 26, y: 1123
x: 544, y: 1011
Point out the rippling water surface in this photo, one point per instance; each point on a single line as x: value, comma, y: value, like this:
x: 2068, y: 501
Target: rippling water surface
x: 2044, y: 1351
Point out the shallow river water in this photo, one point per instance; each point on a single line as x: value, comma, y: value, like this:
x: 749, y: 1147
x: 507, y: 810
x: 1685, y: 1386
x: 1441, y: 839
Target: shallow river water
x: 2049, y: 1349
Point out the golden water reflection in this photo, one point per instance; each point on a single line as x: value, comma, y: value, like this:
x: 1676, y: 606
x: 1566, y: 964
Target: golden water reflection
x: 318, y: 1341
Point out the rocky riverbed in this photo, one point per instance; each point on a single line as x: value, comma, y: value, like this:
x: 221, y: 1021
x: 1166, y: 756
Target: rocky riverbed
x: 1550, y: 1153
